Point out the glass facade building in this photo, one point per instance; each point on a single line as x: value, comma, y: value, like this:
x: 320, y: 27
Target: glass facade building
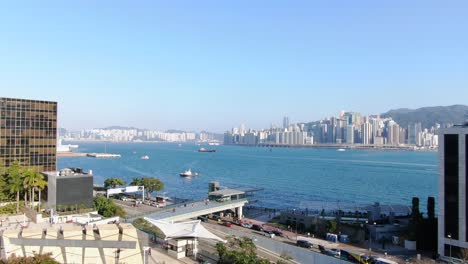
x: 28, y: 133
x: 453, y: 192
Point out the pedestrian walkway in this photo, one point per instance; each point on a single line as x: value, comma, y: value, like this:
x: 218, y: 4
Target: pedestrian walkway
x: 158, y: 256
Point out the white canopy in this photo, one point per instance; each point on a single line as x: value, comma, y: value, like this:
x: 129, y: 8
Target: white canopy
x: 185, y: 229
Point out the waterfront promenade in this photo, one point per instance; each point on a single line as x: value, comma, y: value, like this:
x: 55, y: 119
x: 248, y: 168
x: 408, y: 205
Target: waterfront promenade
x: 337, y: 146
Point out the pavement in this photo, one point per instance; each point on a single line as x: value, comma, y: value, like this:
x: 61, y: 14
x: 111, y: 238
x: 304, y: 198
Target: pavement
x: 391, y: 251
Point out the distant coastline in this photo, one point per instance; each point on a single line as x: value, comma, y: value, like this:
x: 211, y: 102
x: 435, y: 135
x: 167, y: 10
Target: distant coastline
x: 340, y: 146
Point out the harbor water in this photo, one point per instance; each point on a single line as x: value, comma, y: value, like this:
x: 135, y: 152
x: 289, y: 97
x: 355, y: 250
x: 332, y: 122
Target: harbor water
x: 290, y: 177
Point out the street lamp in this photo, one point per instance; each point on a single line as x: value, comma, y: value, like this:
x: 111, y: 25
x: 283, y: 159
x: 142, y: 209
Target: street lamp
x: 370, y: 237
x: 450, y: 246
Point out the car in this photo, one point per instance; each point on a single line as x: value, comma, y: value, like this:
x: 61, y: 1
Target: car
x: 257, y: 228
x: 278, y: 233
x: 246, y: 225
x: 203, y: 218
x: 304, y: 244
x: 227, y: 224
x: 332, y: 252
x: 269, y: 233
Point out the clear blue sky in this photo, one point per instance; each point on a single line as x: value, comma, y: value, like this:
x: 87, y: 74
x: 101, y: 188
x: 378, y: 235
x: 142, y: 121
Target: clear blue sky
x: 215, y: 64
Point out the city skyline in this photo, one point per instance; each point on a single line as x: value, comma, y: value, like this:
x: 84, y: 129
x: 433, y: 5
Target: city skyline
x: 206, y: 66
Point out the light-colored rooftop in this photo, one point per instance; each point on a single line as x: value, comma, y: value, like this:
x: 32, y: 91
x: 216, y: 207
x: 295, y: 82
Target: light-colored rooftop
x: 226, y: 192
x: 72, y: 244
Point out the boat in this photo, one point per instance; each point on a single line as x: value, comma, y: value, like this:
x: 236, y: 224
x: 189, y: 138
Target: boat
x: 206, y: 150
x: 188, y: 173
x: 213, y: 144
x: 145, y: 157
x: 341, y: 149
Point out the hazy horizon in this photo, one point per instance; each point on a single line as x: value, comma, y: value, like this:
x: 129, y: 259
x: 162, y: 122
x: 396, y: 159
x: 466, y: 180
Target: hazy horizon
x: 213, y: 65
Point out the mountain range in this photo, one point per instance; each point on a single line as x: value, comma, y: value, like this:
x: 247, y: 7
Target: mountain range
x: 429, y: 116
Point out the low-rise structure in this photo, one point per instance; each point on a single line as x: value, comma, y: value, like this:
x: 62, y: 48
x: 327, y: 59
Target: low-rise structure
x: 107, y: 243
x: 69, y: 187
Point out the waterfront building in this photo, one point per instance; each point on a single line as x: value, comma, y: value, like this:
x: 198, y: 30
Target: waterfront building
x: 286, y: 122
x: 453, y: 199
x: 69, y: 187
x: 28, y: 133
x: 393, y: 133
x: 350, y: 134
x: 366, y: 133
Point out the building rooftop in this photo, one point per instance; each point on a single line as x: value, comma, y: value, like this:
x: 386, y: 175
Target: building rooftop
x: 69, y: 172
x: 226, y: 192
x: 75, y: 244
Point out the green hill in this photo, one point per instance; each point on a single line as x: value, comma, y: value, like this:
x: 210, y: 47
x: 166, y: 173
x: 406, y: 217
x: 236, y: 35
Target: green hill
x: 428, y: 116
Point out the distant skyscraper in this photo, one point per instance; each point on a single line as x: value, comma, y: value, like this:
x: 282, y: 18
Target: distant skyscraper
x: 28, y: 133
x: 453, y: 199
x: 242, y: 129
x: 393, y: 133
x: 353, y: 118
x: 350, y: 134
x: 367, y: 136
x: 286, y: 122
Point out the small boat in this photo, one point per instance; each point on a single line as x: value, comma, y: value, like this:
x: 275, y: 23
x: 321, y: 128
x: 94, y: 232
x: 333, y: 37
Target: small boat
x: 341, y: 149
x: 213, y: 144
x: 206, y: 150
x: 188, y: 173
x: 146, y: 157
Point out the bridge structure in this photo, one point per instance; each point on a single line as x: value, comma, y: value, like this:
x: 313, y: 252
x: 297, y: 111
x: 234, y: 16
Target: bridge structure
x: 192, y: 210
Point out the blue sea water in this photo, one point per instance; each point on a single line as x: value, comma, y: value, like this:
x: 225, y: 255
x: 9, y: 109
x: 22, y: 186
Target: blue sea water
x: 291, y: 177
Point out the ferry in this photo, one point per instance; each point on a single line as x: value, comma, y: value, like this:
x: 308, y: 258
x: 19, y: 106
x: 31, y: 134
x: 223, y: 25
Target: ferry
x: 146, y: 157
x: 206, y: 150
x: 188, y: 173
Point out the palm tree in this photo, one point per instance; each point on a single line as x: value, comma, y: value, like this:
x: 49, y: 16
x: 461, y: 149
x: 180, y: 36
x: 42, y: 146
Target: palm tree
x: 15, y: 180
x: 40, y: 185
x: 31, y: 177
x: 28, y: 181
x: 135, y: 181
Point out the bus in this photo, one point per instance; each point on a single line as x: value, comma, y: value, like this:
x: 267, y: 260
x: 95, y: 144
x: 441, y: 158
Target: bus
x: 354, y: 256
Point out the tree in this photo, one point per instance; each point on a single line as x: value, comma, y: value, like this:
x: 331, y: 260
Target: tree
x: 416, y: 219
x: 31, y: 181
x: 15, y: 180
x: 332, y: 226
x: 136, y: 181
x: 36, y: 259
x: 107, y: 207
x: 40, y: 185
x: 431, y: 208
x: 151, y: 185
x: 3, y: 185
x: 238, y: 251
x: 113, y: 182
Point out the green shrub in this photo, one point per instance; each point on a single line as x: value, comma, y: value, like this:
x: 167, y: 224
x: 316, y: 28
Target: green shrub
x: 8, y: 209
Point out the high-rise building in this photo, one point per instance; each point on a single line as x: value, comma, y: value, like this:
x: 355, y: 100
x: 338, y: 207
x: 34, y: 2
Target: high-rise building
x: 28, y: 133
x: 367, y: 136
x: 286, y: 122
x: 393, y: 133
x: 453, y: 199
x: 350, y: 134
